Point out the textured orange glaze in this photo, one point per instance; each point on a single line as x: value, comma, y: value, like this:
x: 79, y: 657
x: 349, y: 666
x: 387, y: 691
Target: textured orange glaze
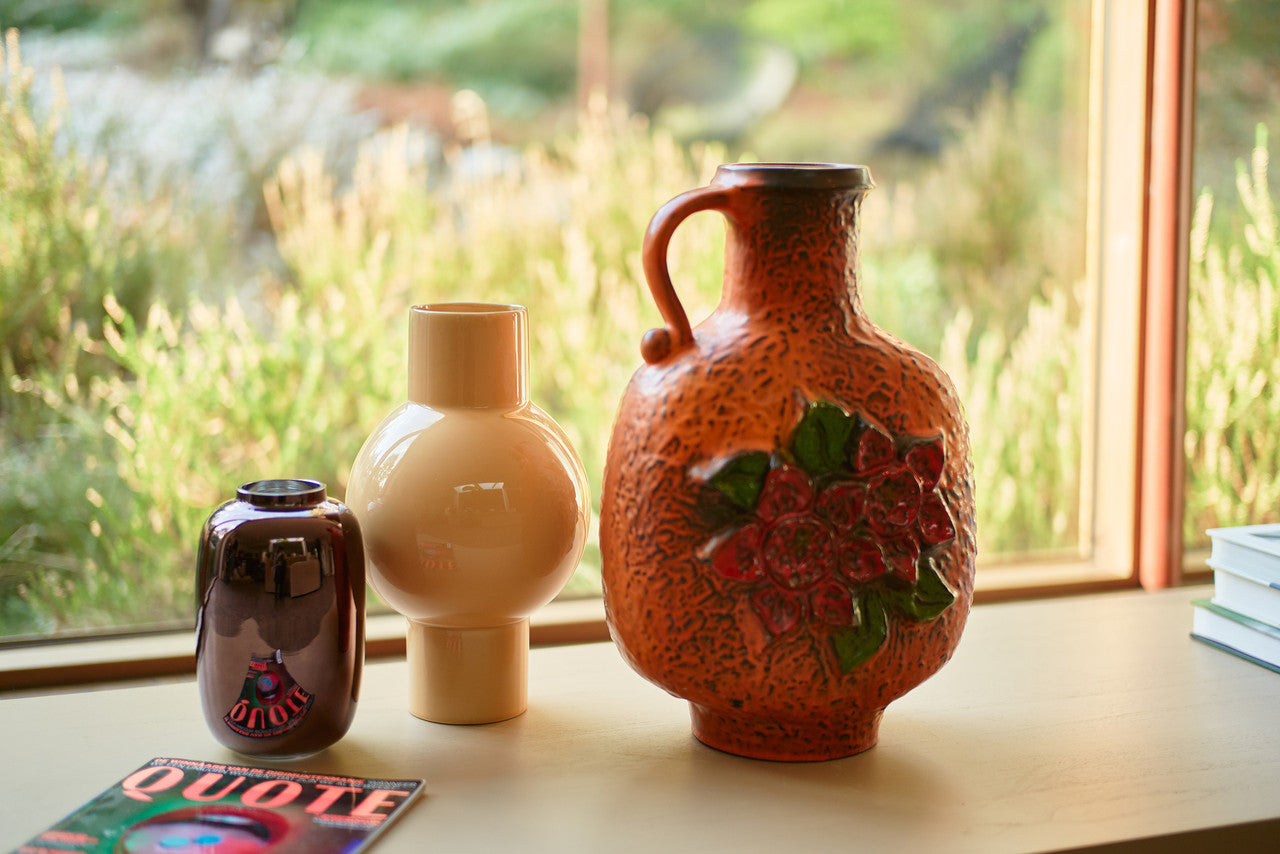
x: 790, y: 333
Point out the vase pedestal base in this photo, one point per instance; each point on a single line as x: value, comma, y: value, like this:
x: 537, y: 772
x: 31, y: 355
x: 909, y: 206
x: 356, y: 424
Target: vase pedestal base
x: 468, y: 675
x: 784, y: 741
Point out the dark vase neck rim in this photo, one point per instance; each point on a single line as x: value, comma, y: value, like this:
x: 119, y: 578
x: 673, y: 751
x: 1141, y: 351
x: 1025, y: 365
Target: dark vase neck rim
x: 807, y: 176
x: 282, y: 493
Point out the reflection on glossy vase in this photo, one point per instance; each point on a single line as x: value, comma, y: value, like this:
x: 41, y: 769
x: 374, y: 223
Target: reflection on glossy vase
x: 474, y: 510
x: 787, y: 527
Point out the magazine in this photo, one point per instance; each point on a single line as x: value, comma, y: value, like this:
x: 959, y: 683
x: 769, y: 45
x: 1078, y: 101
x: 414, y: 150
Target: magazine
x: 179, y: 806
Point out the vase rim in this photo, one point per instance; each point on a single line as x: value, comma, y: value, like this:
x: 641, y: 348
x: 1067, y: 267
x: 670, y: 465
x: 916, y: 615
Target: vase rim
x: 469, y: 308
x: 292, y: 492
x: 818, y: 176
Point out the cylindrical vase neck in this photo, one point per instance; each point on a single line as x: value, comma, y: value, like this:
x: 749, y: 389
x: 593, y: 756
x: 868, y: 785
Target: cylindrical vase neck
x: 793, y: 237
x: 471, y: 355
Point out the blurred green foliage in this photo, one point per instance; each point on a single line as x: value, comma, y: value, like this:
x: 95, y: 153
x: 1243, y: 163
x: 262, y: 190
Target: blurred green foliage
x: 819, y: 29
x: 180, y: 405
x: 54, y: 15
x: 66, y: 244
x: 291, y: 375
x: 1233, y: 357
x: 514, y: 52
x: 139, y: 391
x: 65, y: 241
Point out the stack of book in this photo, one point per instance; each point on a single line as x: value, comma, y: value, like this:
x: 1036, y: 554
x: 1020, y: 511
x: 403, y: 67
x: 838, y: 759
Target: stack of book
x: 1243, y: 617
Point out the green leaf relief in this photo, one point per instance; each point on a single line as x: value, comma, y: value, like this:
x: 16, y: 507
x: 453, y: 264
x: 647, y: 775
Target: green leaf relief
x: 858, y: 643
x: 741, y: 478
x: 818, y: 443
x: 930, y: 596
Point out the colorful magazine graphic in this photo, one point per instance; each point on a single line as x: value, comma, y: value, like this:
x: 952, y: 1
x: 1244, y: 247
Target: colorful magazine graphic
x: 180, y: 806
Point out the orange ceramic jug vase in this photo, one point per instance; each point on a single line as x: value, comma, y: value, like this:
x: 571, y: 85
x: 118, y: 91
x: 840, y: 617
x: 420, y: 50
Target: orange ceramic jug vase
x: 787, y: 525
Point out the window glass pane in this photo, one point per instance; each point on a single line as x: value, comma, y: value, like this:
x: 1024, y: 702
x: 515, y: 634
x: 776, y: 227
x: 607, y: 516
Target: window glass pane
x: 212, y: 228
x: 1233, y: 339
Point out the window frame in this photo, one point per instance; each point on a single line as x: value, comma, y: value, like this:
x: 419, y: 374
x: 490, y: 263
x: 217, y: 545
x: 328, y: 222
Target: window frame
x: 1138, y: 208
x: 1138, y: 215
x: 1158, y: 558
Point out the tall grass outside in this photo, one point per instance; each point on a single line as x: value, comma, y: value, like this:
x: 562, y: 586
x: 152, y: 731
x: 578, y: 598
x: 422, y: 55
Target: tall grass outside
x: 150, y: 367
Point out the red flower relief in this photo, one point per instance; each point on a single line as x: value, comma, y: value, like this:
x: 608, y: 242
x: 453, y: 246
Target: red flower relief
x: 845, y: 506
x: 799, y: 550
x: 737, y: 555
x: 862, y: 560
x: 786, y: 490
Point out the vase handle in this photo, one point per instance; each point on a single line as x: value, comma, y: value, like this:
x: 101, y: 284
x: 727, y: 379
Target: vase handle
x: 660, y: 343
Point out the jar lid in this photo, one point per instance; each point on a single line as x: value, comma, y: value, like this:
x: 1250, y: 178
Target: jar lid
x: 282, y: 493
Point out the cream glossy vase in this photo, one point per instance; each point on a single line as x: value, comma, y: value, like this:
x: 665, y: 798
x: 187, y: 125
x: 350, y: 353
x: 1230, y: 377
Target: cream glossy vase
x: 474, y: 510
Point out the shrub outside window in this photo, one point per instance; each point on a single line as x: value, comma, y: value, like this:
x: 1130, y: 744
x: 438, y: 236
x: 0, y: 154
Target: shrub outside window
x: 1232, y: 445
x: 211, y: 236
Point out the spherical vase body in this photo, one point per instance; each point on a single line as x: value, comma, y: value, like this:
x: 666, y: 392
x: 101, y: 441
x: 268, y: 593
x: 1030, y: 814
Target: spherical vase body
x: 474, y: 510
x: 787, y: 526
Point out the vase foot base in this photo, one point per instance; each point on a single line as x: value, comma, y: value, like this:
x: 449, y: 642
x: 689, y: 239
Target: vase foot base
x: 783, y: 741
x: 468, y: 674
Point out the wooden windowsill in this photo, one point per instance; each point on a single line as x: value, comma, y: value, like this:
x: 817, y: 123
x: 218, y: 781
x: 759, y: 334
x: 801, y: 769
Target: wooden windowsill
x: 158, y: 654
x: 51, y: 665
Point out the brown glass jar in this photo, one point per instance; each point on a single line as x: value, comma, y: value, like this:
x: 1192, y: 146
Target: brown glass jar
x: 280, y: 624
